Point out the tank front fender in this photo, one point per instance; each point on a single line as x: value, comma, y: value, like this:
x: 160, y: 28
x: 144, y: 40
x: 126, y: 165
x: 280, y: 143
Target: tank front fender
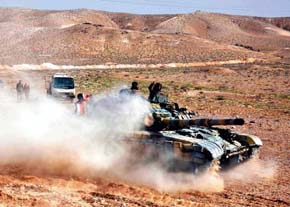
x: 251, y: 140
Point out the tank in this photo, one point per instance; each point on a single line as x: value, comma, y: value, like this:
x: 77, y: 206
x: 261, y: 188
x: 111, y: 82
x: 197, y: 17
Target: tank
x: 182, y: 142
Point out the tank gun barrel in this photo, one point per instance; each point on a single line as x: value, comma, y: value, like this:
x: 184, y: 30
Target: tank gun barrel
x: 180, y: 123
x: 212, y: 122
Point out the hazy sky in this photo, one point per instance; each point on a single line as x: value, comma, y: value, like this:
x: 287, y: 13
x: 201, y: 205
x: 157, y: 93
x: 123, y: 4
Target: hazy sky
x: 242, y: 7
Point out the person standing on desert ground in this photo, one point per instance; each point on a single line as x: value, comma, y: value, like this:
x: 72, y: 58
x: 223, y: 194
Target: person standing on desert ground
x: 19, y: 90
x: 80, y: 105
x: 26, y: 89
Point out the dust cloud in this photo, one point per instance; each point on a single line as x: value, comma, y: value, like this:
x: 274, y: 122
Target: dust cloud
x: 44, y: 137
x: 252, y: 171
x: 45, y: 131
x: 154, y: 176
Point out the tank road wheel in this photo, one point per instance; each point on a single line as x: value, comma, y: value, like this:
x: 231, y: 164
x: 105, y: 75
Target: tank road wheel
x: 251, y: 154
x: 234, y: 160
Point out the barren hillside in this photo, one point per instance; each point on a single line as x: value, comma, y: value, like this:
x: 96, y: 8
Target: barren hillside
x: 232, y: 30
x: 281, y: 22
x: 92, y: 37
x: 142, y: 23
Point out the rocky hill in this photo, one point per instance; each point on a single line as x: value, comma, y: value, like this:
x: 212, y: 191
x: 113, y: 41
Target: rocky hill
x: 95, y: 37
x: 281, y: 22
x: 241, y: 31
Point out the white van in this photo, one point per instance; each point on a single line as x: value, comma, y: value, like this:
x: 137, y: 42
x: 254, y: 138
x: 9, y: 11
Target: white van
x: 62, y: 86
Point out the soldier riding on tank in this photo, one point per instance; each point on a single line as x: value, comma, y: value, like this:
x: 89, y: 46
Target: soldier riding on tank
x: 155, y: 93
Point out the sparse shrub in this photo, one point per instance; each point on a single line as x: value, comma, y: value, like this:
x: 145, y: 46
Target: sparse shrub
x: 220, y: 98
x: 197, y: 88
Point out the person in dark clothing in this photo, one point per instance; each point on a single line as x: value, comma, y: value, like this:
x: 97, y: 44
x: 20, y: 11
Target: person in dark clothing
x: 26, y: 90
x: 133, y: 90
x: 134, y: 87
x: 19, y: 90
x: 155, y: 93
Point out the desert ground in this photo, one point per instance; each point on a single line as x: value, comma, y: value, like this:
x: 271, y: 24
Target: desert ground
x: 224, y: 66
x: 257, y: 92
